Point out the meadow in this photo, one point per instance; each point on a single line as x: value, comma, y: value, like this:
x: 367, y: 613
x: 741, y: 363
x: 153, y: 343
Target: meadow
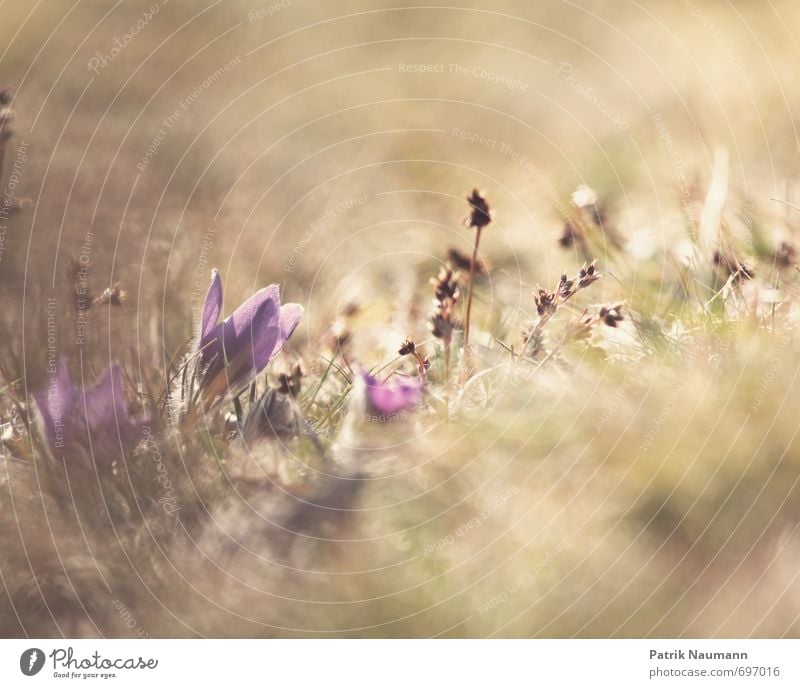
x: 372, y: 319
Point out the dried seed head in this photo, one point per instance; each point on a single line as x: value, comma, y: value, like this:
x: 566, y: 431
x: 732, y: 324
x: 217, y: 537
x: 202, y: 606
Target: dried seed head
x: 611, y: 314
x: 445, y: 286
x: 6, y: 94
x: 565, y: 287
x: 407, y: 347
x: 545, y: 302
x: 480, y: 215
x: 446, y: 292
x: 291, y: 383
x: 588, y: 275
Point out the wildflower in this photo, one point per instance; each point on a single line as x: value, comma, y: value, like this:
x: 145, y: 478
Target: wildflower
x: 235, y: 350
x: 93, y: 421
x: 389, y: 398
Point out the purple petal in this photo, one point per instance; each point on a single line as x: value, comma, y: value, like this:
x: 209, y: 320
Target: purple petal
x: 94, y: 418
x: 246, y: 341
x: 263, y: 306
x: 392, y: 397
x: 251, y: 334
x: 104, y: 403
x: 291, y: 314
x: 212, y: 306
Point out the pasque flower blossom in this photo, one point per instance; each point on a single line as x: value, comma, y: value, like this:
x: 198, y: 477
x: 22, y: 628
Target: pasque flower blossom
x: 391, y: 397
x: 92, y: 421
x: 232, y: 352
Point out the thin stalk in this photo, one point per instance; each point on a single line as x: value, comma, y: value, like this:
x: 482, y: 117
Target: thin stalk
x: 471, y: 285
x: 421, y: 366
x: 447, y: 381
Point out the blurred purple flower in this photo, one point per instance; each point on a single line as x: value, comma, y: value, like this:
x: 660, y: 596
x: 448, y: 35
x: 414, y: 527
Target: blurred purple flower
x: 93, y: 421
x: 235, y: 350
x: 387, y: 398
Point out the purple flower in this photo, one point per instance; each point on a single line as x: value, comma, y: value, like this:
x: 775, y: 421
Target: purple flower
x: 234, y: 351
x: 91, y: 421
x: 391, y: 397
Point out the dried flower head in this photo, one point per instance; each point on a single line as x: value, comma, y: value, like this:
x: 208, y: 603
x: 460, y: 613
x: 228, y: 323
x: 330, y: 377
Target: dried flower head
x: 611, y: 314
x: 461, y: 261
x: 407, y: 347
x: 565, y: 287
x: 446, y: 284
x: 545, y: 301
x: 92, y: 421
x: 291, y: 382
x: 446, y: 292
x: 588, y: 275
x: 480, y: 215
